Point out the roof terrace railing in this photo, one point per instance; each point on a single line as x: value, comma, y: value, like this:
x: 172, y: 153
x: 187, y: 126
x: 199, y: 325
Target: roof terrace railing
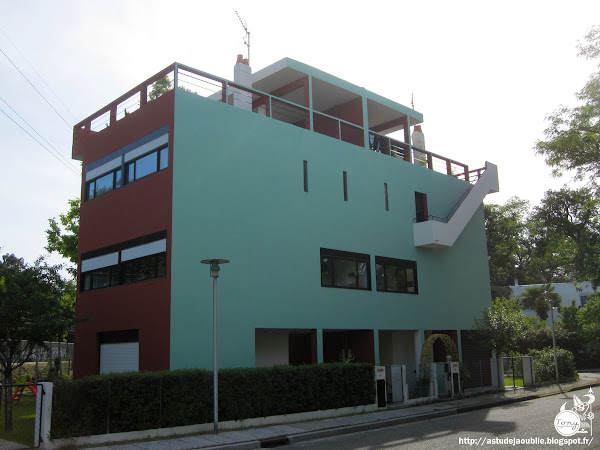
x: 225, y: 91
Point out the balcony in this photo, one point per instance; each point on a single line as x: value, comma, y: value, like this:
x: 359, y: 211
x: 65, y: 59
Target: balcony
x: 287, y: 93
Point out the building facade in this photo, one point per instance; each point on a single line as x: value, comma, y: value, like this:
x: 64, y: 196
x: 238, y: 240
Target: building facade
x: 341, y: 235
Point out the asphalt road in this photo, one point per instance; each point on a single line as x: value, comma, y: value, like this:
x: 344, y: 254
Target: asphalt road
x: 532, y: 419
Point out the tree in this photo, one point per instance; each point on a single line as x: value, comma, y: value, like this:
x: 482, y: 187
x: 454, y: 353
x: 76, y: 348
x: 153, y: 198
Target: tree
x: 540, y: 299
x: 573, y: 134
x: 503, y: 324
x: 63, y: 234
x: 573, y: 216
x: 520, y: 246
x: 33, y: 308
x: 588, y: 317
x: 160, y: 87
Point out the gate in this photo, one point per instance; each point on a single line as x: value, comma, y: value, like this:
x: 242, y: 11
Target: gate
x: 25, y: 400
x: 517, y: 371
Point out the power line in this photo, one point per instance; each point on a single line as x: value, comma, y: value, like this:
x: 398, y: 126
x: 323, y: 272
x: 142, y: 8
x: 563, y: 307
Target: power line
x: 45, y: 148
x: 36, y: 132
x: 36, y: 90
x: 36, y: 72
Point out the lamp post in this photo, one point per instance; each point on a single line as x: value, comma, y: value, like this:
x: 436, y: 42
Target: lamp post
x: 214, y: 273
x: 554, y: 344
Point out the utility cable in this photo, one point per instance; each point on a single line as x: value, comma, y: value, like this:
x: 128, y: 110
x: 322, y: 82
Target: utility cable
x: 36, y: 132
x: 36, y: 90
x: 32, y: 137
x: 37, y: 73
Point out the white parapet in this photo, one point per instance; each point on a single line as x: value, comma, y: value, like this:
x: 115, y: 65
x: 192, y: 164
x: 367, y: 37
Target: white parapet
x: 434, y: 234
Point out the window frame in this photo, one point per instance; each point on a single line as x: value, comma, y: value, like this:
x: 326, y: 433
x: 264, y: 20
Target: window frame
x: 133, y: 162
x: 396, y: 263
x: 332, y: 254
x: 115, y: 184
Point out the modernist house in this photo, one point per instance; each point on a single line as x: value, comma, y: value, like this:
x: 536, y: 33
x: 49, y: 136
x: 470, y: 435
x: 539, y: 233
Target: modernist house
x: 343, y: 232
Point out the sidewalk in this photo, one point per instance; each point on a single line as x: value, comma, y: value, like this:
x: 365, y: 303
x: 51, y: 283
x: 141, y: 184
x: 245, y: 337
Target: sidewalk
x: 304, y: 431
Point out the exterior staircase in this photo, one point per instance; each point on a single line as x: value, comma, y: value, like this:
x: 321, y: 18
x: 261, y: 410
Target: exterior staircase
x: 437, y: 234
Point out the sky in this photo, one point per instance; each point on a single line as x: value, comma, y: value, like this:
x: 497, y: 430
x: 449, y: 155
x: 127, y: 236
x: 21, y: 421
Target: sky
x: 484, y: 75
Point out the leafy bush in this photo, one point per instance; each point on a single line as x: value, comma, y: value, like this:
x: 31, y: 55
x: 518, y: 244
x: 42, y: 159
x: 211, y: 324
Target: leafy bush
x: 115, y: 403
x: 543, y: 363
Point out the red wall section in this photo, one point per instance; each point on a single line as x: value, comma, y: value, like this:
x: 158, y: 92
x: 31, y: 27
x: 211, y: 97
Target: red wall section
x: 134, y: 210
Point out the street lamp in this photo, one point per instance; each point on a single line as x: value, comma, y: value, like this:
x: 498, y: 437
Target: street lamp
x: 554, y: 343
x: 214, y: 273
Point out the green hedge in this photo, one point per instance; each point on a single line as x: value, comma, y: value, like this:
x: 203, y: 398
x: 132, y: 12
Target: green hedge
x: 543, y: 363
x: 137, y: 401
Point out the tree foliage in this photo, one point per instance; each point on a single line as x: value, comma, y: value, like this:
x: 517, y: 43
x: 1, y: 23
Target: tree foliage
x: 33, y: 308
x: 62, y: 235
x: 572, y: 138
x: 503, y: 324
x: 160, y: 87
x: 540, y: 299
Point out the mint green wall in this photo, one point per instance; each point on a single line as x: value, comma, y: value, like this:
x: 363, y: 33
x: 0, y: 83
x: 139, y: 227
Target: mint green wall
x: 238, y: 194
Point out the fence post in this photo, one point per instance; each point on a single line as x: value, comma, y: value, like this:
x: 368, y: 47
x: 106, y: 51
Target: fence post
x: 43, y: 417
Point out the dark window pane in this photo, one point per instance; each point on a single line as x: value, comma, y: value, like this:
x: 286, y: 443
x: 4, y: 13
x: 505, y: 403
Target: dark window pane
x: 90, y: 189
x: 87, y: 281
x: 118, y: 179
x: 164, y: 158
x: 345, y: 273
x: 161, y: 265
x: 326, y: 278
x: 363, y: 275
x: 380, y: 274
x: 396, y: 278
x: 411, y: 281
x: 146, y: 165
x: 101, y: 278
x: 104, y: 184
x: 130, y: 173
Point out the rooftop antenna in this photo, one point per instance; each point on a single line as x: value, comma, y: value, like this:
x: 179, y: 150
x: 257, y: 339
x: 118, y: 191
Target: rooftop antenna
x: 247, y: 38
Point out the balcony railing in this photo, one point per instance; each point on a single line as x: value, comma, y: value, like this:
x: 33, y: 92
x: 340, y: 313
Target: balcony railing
x: 225, y: 91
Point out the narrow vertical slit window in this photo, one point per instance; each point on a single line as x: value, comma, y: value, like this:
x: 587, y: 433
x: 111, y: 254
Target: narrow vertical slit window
x: 385, y: 190
x: 345, y: 186
x: 421, y: 207
x: 305, y: 176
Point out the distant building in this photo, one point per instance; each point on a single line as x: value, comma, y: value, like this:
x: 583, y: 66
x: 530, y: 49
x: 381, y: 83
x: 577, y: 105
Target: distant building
x: 341, y: 236
x: 569, y: 292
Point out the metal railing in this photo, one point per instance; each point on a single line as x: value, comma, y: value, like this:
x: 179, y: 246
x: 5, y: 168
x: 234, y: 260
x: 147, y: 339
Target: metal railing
x: 219, y: 89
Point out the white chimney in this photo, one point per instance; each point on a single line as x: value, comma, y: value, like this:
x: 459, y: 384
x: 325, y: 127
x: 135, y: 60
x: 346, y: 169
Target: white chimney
x: 242, y: 74
x: 418, y: 138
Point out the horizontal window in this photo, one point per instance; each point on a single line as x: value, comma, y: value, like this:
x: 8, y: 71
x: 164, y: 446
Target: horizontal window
x: 103, y: 184
x: 130, y: 264
x: 396, y: 275
x: 147, y: 164
x: 345, y: 269
x: 134, y: 161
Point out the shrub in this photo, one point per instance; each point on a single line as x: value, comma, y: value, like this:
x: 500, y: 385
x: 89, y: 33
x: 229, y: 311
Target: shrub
x: 132, y: 401
x: 543, y: 363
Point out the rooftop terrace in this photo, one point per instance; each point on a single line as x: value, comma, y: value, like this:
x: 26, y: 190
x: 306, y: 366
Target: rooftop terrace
x: 299, y: 95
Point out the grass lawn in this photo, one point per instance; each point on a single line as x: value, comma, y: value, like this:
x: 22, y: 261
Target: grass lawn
x: 23, y: 421
x: 508, y: 381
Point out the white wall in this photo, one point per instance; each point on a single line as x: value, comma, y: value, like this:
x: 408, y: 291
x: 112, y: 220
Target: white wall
x: 271, y: 347
x: 567, y: 292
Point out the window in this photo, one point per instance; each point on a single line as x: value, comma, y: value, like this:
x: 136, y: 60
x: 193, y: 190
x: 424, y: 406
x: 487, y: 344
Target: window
x: 396, y: 275
x: 421, y: 207
x: 141, y: 259
x: 147, y: 164
x: 583, y: 299
x: 305, y: 176
x: 136, y: 160
x: 385, y: 191
x: 119, y: 351
x: 345, y: 177
x: 103, y: 184
x: 345, y: 269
